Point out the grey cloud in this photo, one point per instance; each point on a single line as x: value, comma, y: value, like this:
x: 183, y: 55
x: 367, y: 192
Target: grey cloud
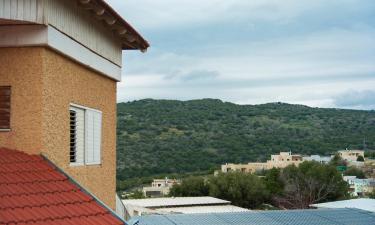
x: 203, y: 79
x: 192, y: 76
x: 356, y: 99
x: 200, y: 75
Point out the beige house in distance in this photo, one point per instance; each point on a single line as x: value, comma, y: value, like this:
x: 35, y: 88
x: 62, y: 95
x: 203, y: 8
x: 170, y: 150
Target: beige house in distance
x: 60, y: 62
x: 351, y: 155
x: 282, y: 160
x: 246, y: 168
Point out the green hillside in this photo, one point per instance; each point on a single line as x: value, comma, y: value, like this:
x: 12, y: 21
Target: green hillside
x: 164, y: 136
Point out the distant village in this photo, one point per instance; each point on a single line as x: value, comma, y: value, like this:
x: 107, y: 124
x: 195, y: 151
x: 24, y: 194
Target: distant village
x: 156, y: 200
x: 356, y: 158
x: 353, y: 158
x: 284, y: 159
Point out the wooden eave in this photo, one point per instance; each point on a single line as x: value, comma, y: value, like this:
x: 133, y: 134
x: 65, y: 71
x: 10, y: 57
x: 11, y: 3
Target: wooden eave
x: 130, y: 38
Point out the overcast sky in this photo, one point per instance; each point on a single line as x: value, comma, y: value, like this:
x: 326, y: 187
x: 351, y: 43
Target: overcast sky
x: 313, y: 52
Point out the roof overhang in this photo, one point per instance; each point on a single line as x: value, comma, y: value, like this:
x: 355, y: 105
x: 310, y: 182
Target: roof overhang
x: 48, y: 36
x: 130, y: 38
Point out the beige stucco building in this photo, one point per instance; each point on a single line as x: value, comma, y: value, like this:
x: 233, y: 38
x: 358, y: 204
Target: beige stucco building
x: 351, y: 155
x: 282, y: 160
x: 247, y: 168
x: 59, y: 65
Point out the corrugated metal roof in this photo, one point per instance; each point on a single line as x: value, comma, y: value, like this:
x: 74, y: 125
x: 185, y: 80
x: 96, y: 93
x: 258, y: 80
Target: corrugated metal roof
x: 204, y: 209
x: 361, y: 203
x: 282, y: 217
x: 177, y: 201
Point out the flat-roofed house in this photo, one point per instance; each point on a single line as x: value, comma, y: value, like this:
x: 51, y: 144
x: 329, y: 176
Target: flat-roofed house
x: 159, y: 187
x: 282, y: 160
x: 60, y: 62
x: 246, y: 168
x: 351, y: 155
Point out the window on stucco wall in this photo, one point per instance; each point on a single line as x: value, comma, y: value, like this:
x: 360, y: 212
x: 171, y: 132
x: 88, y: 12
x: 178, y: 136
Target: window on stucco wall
x: 5, y: 96
x: 85, y: 135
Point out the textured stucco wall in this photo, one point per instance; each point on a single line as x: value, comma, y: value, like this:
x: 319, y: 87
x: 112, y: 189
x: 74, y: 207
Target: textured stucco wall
x: 21, y: 68
x: 67, y: 82
x: 44, y: 84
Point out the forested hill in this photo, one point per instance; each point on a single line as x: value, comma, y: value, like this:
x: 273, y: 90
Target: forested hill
x: 164, y: 136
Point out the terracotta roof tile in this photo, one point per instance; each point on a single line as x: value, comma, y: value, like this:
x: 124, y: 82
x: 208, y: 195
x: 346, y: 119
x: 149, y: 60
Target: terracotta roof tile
x: 33, y: 192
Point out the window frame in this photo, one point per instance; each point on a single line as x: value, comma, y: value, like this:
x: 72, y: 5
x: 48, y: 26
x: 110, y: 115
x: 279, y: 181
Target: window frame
x: 70, y: 136
x: 79, y: 163
x: 84, y: 161
x: 10, y: 109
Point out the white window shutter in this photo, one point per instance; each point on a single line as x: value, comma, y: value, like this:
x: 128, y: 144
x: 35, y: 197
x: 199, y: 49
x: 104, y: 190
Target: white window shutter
x: 97, y: 137
x: 93, y: 136
x: 89, y: 140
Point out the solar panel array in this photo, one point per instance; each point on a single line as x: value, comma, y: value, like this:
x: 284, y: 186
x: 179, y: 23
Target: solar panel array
x: 282, y: 217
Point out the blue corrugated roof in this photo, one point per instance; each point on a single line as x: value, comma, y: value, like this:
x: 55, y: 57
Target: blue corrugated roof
x: 282, y: 217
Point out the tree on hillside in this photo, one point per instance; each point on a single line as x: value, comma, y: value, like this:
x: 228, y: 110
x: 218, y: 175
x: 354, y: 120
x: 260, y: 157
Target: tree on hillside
x: 273, y: 182
x: 370, y: 154
x: 310, y: 183
x: 354, y: 171
x: 242, y: 189
x: 191, y: 186
x: 337, y: 160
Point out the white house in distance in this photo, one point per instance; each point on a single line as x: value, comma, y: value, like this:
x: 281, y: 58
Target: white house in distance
x: 159, y: 187
x: 318, y: 158
x: 360, y: 187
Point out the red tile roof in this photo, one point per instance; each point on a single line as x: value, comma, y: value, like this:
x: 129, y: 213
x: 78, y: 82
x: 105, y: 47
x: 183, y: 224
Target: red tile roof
x: 32, y: 191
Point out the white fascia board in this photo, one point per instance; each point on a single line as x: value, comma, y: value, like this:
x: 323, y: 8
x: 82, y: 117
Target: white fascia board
x: 23, y: 35
x: 67, y: 46
x: 41, y: 35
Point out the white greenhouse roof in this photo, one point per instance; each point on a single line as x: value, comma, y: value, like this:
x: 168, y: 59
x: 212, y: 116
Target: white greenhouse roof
x: 204, y: 209
x: 360, y: 203
x: 176, y: 201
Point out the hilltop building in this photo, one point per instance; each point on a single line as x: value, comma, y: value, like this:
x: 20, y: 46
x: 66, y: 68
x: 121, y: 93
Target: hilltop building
x: 60, y: 64
x: 281, y: 160
x: 284, y: 159
x: 246, y: 168
x: 159, y: 187
x: 351, y: 155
